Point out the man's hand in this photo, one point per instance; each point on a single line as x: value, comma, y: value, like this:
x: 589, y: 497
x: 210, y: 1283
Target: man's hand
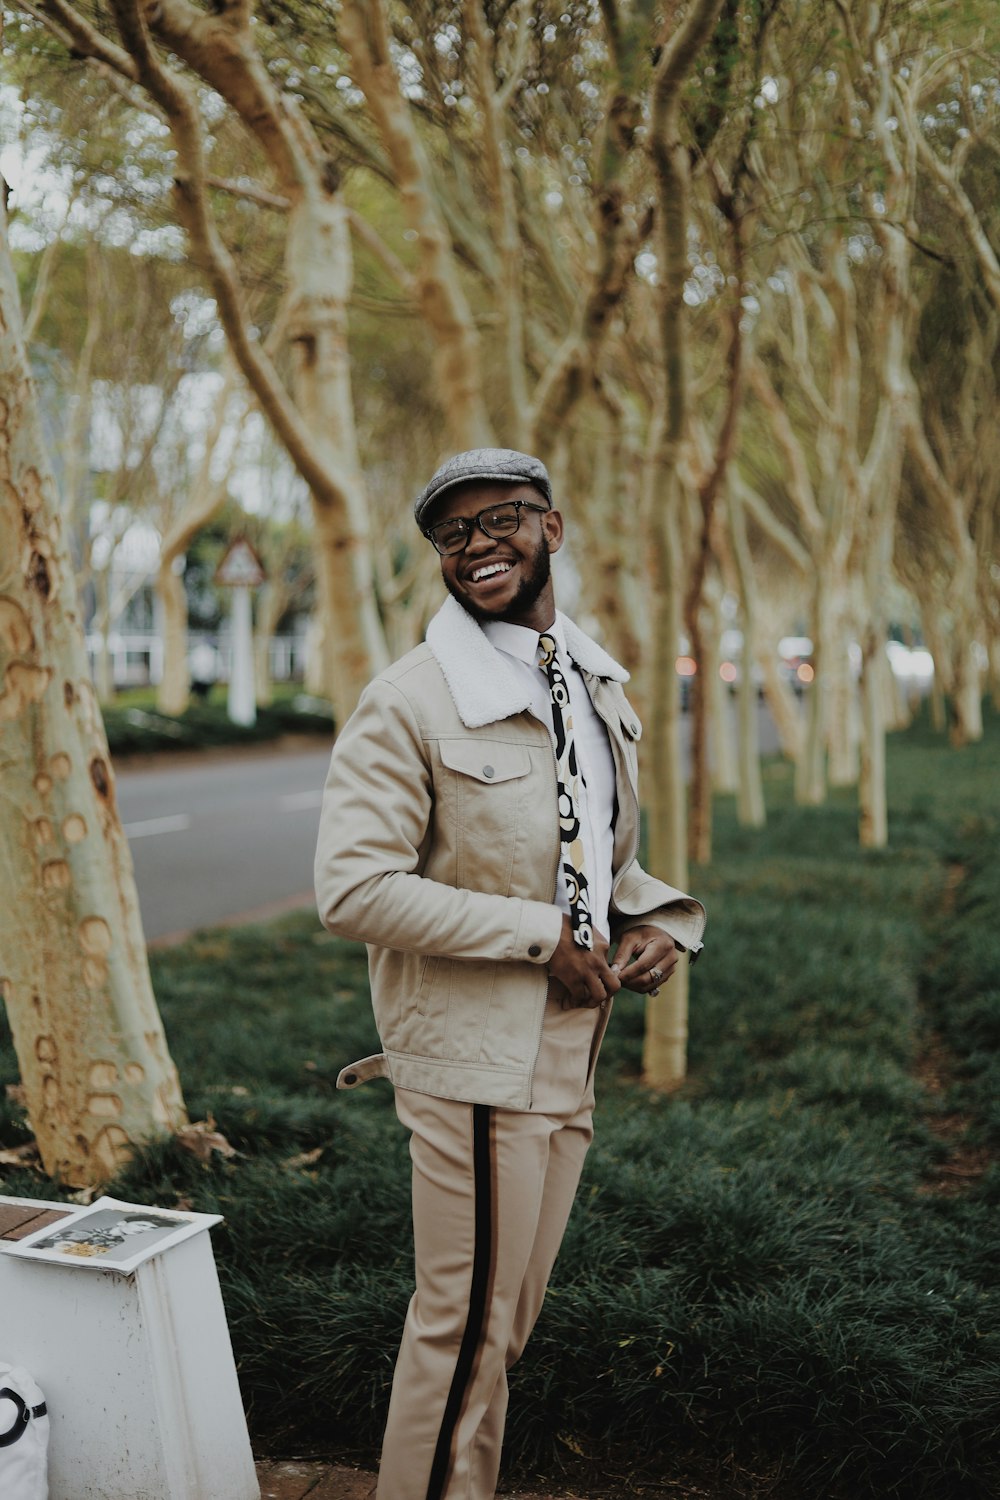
x: 646, y: 958
x: 583, y: 972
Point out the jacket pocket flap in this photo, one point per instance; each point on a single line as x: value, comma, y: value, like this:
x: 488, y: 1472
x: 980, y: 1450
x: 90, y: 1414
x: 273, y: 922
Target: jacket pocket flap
x: 485, y: 761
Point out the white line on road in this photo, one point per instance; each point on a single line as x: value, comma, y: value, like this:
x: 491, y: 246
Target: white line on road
x: 300, y: 801
x: 175, y: 824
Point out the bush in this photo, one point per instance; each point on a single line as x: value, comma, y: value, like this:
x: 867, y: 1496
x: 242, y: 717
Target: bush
x: 134, y: 726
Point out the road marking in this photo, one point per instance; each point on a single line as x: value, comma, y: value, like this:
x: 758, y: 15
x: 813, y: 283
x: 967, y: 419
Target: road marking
x: 300, y: 801
x: 144, y: 830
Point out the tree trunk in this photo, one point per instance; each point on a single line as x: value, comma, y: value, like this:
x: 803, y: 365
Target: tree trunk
x: 966, y: 725
x: 664, y: 1054
x: 364, y: 31
x: 317, y: 429
x: 319, y: 263
x: 665, y: 1048
x: 750, y: 809
x: 90, y: 1045
x: 205, y: 498
x: 842, y: 731
x: 784, y: 706
x: 873, y: 813
x: 721, y: 739
x: 810, y: 769
x: 271, y: 601
x: 174, y: 692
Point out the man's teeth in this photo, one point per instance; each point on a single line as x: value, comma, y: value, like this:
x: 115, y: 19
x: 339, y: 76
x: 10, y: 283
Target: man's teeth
x: 489, y: 571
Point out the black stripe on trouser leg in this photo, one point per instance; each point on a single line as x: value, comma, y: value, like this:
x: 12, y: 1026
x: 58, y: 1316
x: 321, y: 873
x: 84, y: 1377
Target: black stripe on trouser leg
x: 475, y: 1322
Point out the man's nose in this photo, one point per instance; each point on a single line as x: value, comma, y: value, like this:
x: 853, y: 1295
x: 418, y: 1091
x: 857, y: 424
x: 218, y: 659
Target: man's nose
x: 478, y: 540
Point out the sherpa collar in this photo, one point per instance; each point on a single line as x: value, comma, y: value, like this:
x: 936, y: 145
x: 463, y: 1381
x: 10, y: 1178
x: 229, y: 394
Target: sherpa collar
x: 482, y: 683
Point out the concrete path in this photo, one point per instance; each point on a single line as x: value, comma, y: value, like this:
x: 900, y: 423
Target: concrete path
x: 299, y: 1480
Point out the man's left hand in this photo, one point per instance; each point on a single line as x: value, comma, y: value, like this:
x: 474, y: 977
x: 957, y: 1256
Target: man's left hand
x: 646, y: 958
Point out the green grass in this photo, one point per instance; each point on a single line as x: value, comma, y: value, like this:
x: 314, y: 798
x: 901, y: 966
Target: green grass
x: 756, y: 1267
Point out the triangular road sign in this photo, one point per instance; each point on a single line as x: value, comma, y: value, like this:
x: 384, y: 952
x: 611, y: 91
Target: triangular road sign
x: 241, y: 567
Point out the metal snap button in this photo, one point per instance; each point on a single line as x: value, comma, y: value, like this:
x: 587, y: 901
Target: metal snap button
x: 488, y: 772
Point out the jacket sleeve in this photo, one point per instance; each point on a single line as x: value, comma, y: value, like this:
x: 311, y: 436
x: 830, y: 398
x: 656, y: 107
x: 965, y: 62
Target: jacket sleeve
x: 640, y: 898
x: 375, y: 825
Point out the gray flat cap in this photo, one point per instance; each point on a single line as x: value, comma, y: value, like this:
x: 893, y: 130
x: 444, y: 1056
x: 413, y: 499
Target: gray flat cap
x: 504, y: 464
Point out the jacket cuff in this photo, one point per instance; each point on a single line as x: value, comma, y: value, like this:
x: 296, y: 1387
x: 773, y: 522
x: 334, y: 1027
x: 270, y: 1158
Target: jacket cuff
x: 685, y: 928
x: 537, y: 933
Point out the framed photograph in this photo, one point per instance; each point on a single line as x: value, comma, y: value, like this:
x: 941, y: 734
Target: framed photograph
x: 110, y: 1236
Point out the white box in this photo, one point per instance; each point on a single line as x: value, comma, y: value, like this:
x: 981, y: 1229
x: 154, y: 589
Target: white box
x: 138, y: 1375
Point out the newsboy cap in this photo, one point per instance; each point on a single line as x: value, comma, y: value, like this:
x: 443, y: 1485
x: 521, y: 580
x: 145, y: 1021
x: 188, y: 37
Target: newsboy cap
x: 503, y: 464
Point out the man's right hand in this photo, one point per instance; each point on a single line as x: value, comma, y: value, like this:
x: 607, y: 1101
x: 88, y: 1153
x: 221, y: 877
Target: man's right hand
x: 584, y: 973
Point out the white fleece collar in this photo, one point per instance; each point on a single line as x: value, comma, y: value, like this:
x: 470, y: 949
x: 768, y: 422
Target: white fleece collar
x: 483, y: 686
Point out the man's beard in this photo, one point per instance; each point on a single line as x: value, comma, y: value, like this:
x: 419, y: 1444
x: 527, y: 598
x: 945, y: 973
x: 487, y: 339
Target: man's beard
x: 531, y: 585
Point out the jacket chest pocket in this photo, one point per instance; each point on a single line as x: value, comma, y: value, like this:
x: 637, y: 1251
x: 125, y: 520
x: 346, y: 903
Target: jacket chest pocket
x: 484, y: 783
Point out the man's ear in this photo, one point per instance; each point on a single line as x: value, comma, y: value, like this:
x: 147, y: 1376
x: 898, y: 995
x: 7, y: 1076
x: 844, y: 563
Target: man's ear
x: 552, y: 529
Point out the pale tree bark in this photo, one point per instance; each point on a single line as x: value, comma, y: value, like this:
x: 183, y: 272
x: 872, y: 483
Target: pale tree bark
x: 271, y: 603
x: 286, y: 582
x: 783, y: 704
x: 205, y: 498
x: 881, y: 472
x: 492, y: 100
x: 317, y: 427
x: 750, y: 808
x: 816, y: 337
x: 810, y: 768
x: 947, y: 175
x: 609, y: 524
x: 665, y: 1047
x: 843, y: 728
x: 740, y: 33
x: 701, y: 647
x: 721, y: 739
x: 569, y: 374
x: 364, y: 31
x: 90, y: 1045
x: 963, y: 673
x: 957, y: 476
x: 748, y: 503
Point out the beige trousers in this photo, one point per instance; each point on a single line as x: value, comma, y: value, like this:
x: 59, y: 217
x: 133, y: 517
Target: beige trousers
x: 492, y: 1191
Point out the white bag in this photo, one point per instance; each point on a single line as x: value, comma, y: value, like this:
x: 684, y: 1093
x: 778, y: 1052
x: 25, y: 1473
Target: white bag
x: 24, y: 1436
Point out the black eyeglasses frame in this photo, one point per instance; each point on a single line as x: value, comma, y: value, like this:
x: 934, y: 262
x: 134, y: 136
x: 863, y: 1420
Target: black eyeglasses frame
x: 471, y: 522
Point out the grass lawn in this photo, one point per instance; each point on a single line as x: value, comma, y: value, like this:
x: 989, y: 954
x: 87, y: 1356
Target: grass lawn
x: 784, y: 1276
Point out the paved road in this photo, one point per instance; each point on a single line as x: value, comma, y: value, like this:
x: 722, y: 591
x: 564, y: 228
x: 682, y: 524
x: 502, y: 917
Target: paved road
x: 213, y: 839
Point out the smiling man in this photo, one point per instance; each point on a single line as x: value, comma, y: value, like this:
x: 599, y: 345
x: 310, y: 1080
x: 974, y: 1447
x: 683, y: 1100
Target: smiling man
x: 479, y: 832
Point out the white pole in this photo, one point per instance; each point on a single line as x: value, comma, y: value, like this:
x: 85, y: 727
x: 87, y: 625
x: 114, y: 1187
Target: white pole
x: 242, y: 702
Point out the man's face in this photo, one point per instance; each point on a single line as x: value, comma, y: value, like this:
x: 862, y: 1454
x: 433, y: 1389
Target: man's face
x: 507, y: 578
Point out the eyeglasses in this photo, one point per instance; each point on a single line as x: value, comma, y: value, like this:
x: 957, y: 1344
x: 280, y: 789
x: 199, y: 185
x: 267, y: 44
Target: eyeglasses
x: 495, y: 521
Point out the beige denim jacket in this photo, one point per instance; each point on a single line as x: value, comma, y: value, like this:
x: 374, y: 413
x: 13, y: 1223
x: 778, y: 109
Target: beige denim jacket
x: 439, y: 847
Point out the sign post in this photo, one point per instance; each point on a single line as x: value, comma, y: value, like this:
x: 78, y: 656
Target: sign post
x: 241, y: 570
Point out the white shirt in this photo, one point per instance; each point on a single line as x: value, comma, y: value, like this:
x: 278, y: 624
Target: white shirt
x: 594, y: 757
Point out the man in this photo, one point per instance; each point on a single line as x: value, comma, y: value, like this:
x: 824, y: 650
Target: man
x: 479, y: 831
